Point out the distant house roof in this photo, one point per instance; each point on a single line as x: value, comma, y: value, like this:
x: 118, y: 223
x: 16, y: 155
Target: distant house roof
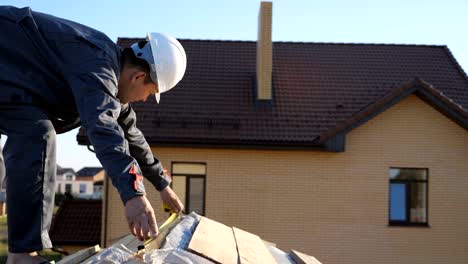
x: 77, y: 222
x: 320, y: 92
x: 61, y: 170
x: 88, y: 171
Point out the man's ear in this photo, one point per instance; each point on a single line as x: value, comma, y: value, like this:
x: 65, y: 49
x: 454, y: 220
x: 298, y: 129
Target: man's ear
x: 138, y: 76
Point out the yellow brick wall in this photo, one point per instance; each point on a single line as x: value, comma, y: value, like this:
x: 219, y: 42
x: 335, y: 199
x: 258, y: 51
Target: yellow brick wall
x: 334, y: 206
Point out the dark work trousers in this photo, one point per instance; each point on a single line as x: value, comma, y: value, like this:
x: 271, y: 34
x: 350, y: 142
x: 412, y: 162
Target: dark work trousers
x: 2, y: 168
x: 29, y: 157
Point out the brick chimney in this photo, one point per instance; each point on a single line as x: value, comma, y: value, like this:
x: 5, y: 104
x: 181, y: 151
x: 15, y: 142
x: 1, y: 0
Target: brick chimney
x: 264, y: 52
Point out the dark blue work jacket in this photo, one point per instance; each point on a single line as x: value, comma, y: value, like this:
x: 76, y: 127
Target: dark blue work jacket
x: 71, y: 72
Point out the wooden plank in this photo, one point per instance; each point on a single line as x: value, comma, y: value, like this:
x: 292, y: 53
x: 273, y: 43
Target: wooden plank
x: 214, y: 241
x: 301, y: 258
x: 251, y: 248
x: 80, y: 256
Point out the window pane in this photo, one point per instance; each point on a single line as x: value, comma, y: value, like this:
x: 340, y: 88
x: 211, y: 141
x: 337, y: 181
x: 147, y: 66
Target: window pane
x: 68, y: 188
x: 398, y: 202
x: 178, y: 186
x: 196, y: 195
x: 82, y: 188
x: 407, y: 174
x: 418, y: 203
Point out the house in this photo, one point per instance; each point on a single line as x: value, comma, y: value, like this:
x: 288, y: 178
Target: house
x: 86, y: 183
x: 89, y: 182
x: 64, y: 179
x: 353, y: 153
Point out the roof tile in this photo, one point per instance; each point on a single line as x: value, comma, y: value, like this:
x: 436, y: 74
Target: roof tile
x: 77, y: 222
x: 316, y: 87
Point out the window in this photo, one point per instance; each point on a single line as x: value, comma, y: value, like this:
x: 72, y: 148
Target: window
x: 188, y: 182
x: 97, y: 188
x: 408, y: 196
x: 82, y: 188
x: 69, y: 177
x: 59, y: 188
x: 68, y: 188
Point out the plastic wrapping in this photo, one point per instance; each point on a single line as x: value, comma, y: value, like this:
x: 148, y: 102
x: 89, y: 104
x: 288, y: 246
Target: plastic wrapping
x: 113, y: 255
x: 173, y: 251
x: 280, y: 256
x: 180, y: 235
x: 174, y: 256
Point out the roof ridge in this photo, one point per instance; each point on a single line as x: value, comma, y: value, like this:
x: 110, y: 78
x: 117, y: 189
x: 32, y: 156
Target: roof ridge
x: 360, y: 44
x: 302, y: 42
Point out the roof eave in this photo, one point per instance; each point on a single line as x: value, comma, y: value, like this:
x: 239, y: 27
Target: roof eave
x: 418, y: 87
x: 234, y: 144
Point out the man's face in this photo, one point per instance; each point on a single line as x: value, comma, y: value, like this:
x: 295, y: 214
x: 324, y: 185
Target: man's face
x: 141, y: 91
x: 133, y: 88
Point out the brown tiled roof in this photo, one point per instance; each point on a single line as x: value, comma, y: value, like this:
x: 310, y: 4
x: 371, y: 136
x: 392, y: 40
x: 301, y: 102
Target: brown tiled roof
x: 422, y: 89
x: 317, y: 89
x: 77, y: 222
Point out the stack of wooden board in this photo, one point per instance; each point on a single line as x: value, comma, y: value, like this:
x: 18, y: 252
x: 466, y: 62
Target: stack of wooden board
x: 222, y: 244
x: 211, y: 240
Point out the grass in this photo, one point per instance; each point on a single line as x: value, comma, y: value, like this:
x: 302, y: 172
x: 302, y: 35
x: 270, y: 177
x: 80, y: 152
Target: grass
x: 3, y: 223
x: 47, y: 253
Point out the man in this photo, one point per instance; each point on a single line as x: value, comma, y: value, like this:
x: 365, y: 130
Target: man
x: 56, y: 74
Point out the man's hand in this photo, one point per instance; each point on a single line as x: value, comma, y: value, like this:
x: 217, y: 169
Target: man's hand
x: 170, y: 198
x: 140, y: 217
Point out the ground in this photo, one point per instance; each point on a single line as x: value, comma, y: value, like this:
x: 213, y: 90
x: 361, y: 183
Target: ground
x: 48, y: 254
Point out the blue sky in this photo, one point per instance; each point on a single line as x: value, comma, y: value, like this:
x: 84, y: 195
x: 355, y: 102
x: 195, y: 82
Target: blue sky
x: 357, y: 21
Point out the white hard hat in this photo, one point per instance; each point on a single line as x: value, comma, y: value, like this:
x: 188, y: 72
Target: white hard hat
x: 166, y: 58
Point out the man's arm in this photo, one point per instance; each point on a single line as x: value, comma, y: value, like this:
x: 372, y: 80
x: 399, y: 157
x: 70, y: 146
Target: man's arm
x: 99, y: 111
x: 151, y: 167
x: 139, y: 149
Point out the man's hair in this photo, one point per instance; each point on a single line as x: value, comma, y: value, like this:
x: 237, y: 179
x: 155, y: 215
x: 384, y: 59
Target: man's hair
x: 128, y: 59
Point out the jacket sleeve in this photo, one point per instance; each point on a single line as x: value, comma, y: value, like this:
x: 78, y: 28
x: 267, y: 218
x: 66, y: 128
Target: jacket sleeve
x: 139, y: 149
x: 94, y: 87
